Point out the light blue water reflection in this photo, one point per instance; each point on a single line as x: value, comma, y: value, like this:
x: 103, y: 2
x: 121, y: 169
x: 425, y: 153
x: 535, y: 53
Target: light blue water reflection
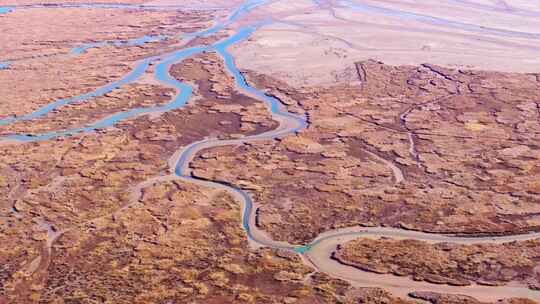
x: 132, y: 76
x: 161, y: 74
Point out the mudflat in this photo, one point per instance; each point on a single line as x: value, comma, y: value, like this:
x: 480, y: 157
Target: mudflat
x: 327, y: 151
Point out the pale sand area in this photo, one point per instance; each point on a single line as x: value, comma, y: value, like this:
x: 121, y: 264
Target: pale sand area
x: 464, y: 11
x: 202, y: 4
x: 316, y: 43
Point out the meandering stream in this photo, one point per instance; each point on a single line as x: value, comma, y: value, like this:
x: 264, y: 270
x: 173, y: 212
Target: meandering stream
x: 318, y: 252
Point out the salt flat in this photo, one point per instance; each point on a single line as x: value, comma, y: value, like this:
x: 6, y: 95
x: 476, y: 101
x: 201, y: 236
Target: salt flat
x: 460, y: 34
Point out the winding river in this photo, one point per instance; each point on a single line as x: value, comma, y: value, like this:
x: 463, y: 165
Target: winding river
x: 316, y: 254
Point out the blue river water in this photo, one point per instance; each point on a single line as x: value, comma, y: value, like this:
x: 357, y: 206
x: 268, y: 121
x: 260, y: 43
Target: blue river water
x: 243, y: 9
x: 371, y: 9
x: 130, y: 77
x: 129, y: 42
x: 139, y: 70
x: 274, y: 106
x: 161, y: 73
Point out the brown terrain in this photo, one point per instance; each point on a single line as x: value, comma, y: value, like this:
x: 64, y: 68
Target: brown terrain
x: 104, y: 217
x: 91, y: 220
x: 422, y: 148
x: 43, y: 69
x: 68, y: 184
x: 79, y: 114
x: 446, y: 263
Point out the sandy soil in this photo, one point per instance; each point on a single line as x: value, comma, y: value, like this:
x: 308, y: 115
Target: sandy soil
x: 103, y: 198
x: 467, y: 34
x: 198, y: 3
x: 44, y: 69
